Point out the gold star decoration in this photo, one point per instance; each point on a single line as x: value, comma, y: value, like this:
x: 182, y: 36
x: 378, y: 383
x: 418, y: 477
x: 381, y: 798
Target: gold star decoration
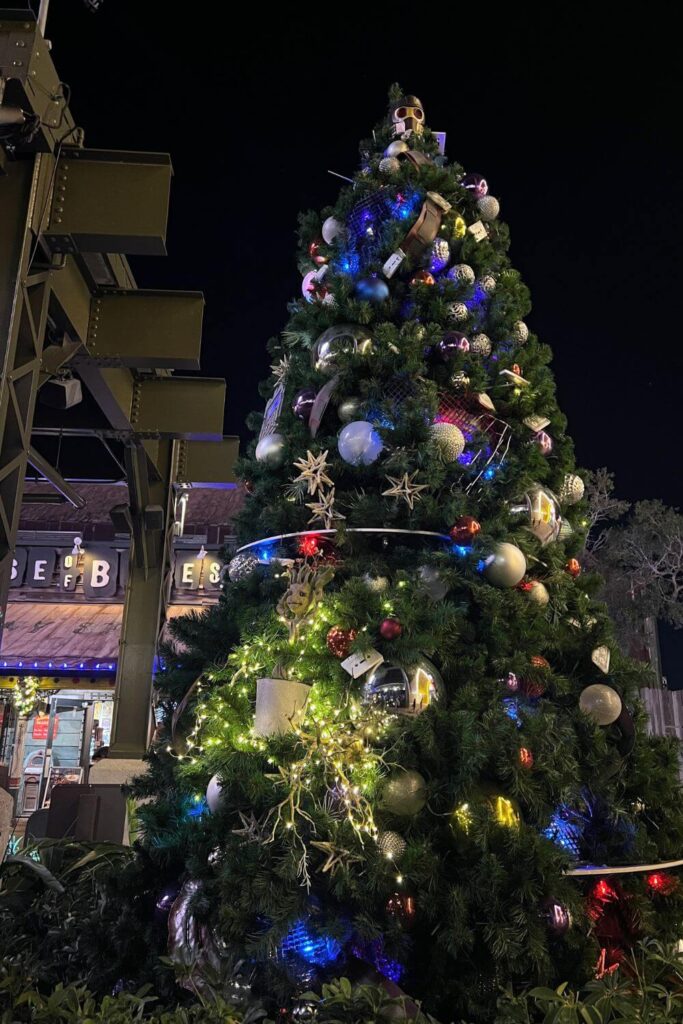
x: 280, y: 370
x: 312, y: 472
x: 324, y: 509
x: 406, y: 488
x: 337, y: 857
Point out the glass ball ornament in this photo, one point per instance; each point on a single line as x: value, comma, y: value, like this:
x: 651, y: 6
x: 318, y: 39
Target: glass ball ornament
x: 572, y: 489
x: 476, y: 184
x: 506, y: 566
x: 431, y: 581
x: 452, y: 343
x: 422, y: 277
x: 349, y: 409
x: 573, y: 567
x: 339, y: 641
x: 480, y: 345
x: 461, y: 274
x: 439, y: 255
x: 241, y: 566
x: 488, y: 207
x: 464, y: 530
x: 371, y: 289
x: 391, y: 845
x: 557, y: 918
x: 333, y: 229
x: 408, y: 690
x: 487, y: 283
x: 457, y: 312
x: 396, y: 148
x: 302, y: 404
x: 520, y: 332
x: 404, y: 793
x: 448, y: 439
x: 271, y: 450
x: 601, y: 703
x: 359, y: 443
x: 389, y: 165
x: 214, y: 793
x: 314, y: 289
x: 541, y: 508
x: 336, y: 341
x: 390, y: 629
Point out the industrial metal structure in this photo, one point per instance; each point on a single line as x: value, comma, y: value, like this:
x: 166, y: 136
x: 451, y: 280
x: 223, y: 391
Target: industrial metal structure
x: 69, y: 217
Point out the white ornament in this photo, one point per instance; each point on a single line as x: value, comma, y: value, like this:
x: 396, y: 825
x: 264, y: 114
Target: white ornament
x: 506, y: 566
x: 242, y: 566
x: 480, y: 345
x: 572, y: 489
x: 538, y: 593
x: 601, y: 703
x: 332, y: 228
x: 214, y: 792
x: 488, y: 207
x: 389, y: 165
x: 461, y: 274
x: 271, y: 450
x: 449, y: 439
x: 520, y: 332
x: 457, y: 312
x: 488, y: 284
x: 359, y: 443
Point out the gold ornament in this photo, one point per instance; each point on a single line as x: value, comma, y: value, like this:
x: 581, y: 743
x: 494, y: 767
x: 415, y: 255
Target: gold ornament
x: 406, y: 488
x: 448, y: 439
x: 312, y: 472
x: 305, y: 591
x: 337, y: 857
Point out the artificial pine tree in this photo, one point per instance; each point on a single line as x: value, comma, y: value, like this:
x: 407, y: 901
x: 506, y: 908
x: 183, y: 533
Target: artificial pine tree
x: 425, y: 725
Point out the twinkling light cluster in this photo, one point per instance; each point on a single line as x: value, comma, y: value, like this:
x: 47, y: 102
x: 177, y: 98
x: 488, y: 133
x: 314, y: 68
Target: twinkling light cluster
x: 26, y: 696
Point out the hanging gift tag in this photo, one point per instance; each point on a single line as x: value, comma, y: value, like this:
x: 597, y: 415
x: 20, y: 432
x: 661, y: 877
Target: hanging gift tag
x: 478, y: 231
x: 601, y: 657
x: 441, y: 141
x: 393, y: 263
x: 360, y: 663
x: 536, y: 422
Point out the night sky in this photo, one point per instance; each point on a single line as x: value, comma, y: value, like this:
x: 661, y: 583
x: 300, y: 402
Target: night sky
x: 572, y: 119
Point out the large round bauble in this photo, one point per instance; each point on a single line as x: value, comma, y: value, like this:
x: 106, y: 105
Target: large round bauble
x: 601, y: 703
x: 332, y: 228
x: 242, y: 566
x: 488, y: 207
x: 557, y: 918
x: 271, y: 450
x: 538, y: 593
x: 461, y: 274
x: 302, y: 404
x: 439, y: 255
x: 571, y: 490
x: 404, y: 793
x: 391, y: 845
x: 389, y: 165
x: 339, y: 641
x: 457, y: 312
x: 452, y: 343
x: 480, y: 345
x: 349, y: 409
x: 408, y: 690
x: 464, y: 530
x: 341, y: 339
x: 506, y: 566
x: 396, y: 148
x: 359, y: 443
x: 371, y: 289
x: 214, y: 793
x: 476, y: 184
x: 431, y: 581
x: 520, y: 332
x: 449, y: 440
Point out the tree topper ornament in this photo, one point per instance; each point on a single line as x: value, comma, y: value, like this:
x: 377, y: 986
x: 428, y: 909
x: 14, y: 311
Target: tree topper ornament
x: 407, y: 116
x: 305, y: 591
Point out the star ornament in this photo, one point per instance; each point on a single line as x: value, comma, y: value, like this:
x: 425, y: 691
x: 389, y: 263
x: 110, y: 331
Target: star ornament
x: 324, y: 509
x: 312, y: 472
x: 337, y: 857
x: 406, y: 488
x: 280, y: 369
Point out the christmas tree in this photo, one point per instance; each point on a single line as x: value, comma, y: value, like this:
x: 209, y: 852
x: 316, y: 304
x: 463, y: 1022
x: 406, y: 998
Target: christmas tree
x: 418, y: 754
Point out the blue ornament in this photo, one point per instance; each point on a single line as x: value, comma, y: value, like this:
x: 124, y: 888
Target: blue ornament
x: 372, y: 289
x: 565, y: 830
x: 302, y: 943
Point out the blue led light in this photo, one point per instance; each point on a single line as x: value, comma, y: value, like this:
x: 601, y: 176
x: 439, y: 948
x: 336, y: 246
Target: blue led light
x: 511, y: 709
x: 460, y: 550
x: 197, y: 807
x: 265, y: 553
x: 466, y: 458
x: 373, y: 953
x: 305, y: 944
x: 489, y: 473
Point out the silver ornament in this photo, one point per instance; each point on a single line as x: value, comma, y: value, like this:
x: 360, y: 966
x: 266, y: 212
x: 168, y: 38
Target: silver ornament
x: 407, y: 690
x: 341, y: 339
x: 457, y: 312
x: 487, y: 283
x: 601, y: 703
x: 389, y: 165
x: 242, y: 566
x: 439, y: 255
x: 461, y: 274
x: 542, y: 508
x: 396, y: 147
x: 432, y: 583
x: 271, y: 450
x: 506, y: 566
x: 572, y: 489
x: 480, y: 345
x: 391, y: 845
x: 488, y: 207
x: 404, y: 793
x: 449, y: 440
x: 520, y: 332
x: 331, y: 229
x: 349, y: 409
x: 214, y: 793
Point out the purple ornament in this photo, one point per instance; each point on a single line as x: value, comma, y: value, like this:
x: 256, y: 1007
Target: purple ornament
x: 544, y: 442
x: 476, y: 184
x: 302, y: 403
x: 557, y: 918
x: 165, y: 901
x: 452, y: 342
x: 511, y: 682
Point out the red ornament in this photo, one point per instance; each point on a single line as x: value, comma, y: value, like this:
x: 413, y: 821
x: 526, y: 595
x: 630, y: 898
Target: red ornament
x: 339, y: 641
x: 314, y: 252
x: 390, y: 629
x: 464, y: 530
x: 573, y: 567
x: 661, y: 884
x: 422, y: 277
x: 526, y: 758
x: 401, y: 905
x: 532, y: 689
x: 309, y: 545
x: 525, y: 586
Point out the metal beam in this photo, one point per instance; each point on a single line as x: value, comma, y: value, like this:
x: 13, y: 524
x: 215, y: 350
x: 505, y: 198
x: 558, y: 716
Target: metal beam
x: 54, y: 477
x: 207, y: 463
x: 179, y: 407
x: 146, y: 329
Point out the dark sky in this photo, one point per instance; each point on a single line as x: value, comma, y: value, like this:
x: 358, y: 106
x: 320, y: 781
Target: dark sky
x: 571, y: 116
